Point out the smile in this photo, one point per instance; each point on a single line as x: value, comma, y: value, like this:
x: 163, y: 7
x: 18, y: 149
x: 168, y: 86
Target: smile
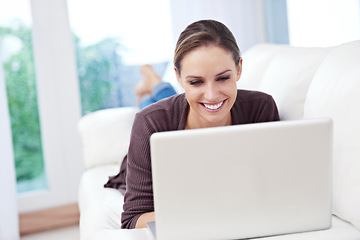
x: 213, y: 106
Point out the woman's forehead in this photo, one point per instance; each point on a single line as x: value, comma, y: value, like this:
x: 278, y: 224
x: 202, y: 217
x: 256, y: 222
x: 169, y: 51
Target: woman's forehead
x: 206, y: 60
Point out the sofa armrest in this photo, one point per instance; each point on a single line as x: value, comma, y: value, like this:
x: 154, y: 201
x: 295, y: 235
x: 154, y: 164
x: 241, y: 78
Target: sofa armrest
x: 105, y: 135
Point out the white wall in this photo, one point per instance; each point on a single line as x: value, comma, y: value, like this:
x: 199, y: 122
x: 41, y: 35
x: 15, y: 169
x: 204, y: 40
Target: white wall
x: 244, y: 18
x: 9, y: 226
x: 327, y: 22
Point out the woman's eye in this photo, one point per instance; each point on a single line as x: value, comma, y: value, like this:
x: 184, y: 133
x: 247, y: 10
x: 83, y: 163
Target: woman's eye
x: 223, y: 78
x: 195, y: 82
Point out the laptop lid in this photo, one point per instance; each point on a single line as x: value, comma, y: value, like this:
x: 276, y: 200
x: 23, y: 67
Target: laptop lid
x: 243, y: 181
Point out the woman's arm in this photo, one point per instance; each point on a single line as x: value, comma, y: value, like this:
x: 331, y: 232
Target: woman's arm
x: 162, y: 116
x: 138, y: 198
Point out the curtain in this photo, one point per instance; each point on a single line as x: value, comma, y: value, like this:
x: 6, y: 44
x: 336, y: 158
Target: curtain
x: 9, y: 223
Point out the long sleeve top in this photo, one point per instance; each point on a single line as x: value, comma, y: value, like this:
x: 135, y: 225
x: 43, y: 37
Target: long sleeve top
x: 135, y: 176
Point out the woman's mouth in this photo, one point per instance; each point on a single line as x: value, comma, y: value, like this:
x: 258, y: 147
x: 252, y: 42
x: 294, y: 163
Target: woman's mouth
x: 213, y: 107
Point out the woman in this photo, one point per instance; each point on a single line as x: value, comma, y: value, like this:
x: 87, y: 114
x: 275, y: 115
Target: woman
x: 207, y: 65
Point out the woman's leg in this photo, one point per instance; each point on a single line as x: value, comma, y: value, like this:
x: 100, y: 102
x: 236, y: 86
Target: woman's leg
x: 160, y: 91
x: 163, y: 90
x: 146, y: 101
x: 151, y: 88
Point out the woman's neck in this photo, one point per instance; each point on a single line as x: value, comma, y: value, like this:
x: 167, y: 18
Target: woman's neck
x: 194, y: 123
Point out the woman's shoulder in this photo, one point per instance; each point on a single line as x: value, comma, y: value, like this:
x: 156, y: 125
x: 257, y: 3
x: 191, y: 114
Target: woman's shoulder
x: 254, y: 106
x: 166, y: 114
x: 252, y: 95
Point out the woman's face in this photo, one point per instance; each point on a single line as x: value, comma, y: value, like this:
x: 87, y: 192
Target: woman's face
x: 208, y: 76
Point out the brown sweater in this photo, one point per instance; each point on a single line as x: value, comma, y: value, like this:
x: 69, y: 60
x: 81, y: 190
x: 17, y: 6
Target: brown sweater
x: 167, y: 115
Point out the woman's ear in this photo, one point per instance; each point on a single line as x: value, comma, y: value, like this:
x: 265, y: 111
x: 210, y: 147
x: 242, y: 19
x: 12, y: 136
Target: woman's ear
x: 178, y: 77
x: 239, y: 70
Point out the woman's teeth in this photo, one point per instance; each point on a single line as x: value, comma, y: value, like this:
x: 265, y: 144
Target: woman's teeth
x: 213, y: 107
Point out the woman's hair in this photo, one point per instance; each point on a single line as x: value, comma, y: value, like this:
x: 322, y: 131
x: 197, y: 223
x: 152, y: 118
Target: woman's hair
x: 205, y: 33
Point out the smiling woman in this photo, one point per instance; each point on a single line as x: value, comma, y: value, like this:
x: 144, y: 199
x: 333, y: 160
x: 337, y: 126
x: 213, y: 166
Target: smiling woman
x: 208, y: 68
x: 209, y: 75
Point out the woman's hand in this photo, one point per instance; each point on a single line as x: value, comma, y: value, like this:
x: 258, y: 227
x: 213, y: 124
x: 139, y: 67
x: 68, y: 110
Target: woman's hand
x: 145, y: 218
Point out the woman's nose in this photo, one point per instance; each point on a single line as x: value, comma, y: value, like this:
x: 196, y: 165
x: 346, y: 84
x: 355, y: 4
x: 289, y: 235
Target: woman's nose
x: 211, y: 93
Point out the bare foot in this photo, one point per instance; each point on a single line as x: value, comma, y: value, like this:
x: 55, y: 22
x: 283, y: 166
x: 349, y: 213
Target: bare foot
x: 149, y: 80
x: 140, y: 91
x: 150, y: 77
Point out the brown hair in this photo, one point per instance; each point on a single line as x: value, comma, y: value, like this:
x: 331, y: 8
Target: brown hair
x: 203, y: 33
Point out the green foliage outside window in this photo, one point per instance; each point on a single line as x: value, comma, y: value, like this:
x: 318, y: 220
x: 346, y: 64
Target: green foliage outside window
x: 19, y: 73
x: 99, y: 68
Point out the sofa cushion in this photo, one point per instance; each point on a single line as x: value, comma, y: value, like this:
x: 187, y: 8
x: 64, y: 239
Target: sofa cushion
x: 255, y: 62
x: 105, y: 135
x: 288, y: 77
x: 334, y: 92
x: 122, y: 234
x: 339, y: 231
x: 100, y: 208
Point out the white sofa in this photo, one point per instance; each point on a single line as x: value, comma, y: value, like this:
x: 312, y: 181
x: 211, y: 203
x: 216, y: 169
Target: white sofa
x: 305, y: 83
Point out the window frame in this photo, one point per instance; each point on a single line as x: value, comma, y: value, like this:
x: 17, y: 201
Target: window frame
x: 59, y: 107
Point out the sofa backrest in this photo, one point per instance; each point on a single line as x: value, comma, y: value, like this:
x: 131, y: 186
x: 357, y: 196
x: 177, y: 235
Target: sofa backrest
x: 335, y: 92
x: 256, y: 60
x: 312, y: 83
x: 284, y: 72
x: 288, y: 78
x: 106, y: 135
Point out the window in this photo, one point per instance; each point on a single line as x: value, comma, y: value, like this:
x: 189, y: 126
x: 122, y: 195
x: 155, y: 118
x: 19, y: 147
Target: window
x: 19, y: 72
x: 113, y: 39
x: 43, y: 79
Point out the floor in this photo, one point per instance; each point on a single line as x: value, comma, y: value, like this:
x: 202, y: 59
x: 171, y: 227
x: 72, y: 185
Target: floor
x: 68, y: 233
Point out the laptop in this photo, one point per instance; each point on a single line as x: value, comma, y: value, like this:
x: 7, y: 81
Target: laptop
x: 242, y: 181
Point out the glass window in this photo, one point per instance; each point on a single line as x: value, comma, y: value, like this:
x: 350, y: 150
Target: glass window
x: 113, y: 38
x: 18, y: 64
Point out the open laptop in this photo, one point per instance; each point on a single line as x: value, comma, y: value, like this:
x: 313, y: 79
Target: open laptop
x: 243, y: 181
